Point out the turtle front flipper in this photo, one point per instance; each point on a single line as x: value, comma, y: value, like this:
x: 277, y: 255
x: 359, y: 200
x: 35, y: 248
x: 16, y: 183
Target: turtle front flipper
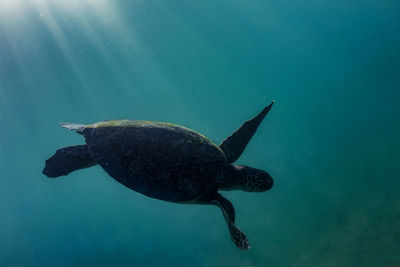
x: 234, y: 145
x: 237, y: 236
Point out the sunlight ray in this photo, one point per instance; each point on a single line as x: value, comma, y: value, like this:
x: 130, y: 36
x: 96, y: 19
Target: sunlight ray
x: 128, y: 50
x: 137, y: 50
x: 87, y: 14
x: 58, y: 33
x: 7, y: 6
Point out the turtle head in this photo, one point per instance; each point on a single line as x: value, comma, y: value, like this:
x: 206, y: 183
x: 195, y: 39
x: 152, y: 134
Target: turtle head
x: 247, y: 179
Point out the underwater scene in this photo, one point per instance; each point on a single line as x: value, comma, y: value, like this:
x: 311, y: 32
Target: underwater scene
x: 312, y: 180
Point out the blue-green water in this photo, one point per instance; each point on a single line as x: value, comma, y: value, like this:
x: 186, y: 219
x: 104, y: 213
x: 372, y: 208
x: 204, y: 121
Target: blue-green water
x: 331, y: 141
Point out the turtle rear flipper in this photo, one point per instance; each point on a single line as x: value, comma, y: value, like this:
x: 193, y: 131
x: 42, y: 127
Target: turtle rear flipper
x: 67, y: 160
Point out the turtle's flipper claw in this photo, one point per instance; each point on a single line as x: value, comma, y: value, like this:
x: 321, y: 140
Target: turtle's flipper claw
x: 239, y: 238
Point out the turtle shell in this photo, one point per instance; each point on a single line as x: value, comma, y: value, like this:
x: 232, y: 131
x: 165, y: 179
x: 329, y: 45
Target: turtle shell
x: 160, y: 160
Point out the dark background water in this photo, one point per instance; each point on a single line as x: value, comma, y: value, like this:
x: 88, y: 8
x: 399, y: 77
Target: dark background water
x: 331, y: 141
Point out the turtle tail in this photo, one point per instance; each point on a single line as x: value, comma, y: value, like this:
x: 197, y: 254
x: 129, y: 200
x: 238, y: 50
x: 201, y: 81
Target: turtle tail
x: 74, y: 127
x: 67, y: 160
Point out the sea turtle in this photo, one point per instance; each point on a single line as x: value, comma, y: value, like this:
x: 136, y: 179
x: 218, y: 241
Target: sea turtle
x: 167, y: 162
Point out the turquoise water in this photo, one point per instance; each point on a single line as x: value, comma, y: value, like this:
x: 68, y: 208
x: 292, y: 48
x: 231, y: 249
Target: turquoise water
x: 331, y: 141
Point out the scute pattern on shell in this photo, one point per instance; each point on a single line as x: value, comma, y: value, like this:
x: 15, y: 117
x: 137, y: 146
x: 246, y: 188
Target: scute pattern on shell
x: 160, y: 160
